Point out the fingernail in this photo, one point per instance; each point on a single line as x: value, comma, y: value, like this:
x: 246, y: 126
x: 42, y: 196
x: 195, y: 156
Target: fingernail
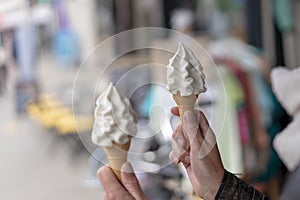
x: 189, y: 116
x: 126, y: 167
x: 180, y: 142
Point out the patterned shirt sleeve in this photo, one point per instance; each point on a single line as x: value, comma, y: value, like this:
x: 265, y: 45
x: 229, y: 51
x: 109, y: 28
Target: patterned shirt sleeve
x: 234, y: 188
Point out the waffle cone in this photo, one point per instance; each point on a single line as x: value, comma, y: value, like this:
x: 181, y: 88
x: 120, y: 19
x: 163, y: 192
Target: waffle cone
x: 185, y: 103
x: 117, y: 156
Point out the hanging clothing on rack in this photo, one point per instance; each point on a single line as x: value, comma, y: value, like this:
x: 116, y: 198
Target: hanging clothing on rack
x: 256, y: 113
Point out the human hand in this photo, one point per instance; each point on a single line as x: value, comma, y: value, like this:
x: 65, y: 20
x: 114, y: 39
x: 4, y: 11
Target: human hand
x: 130, y: 188
x: 203, y: 162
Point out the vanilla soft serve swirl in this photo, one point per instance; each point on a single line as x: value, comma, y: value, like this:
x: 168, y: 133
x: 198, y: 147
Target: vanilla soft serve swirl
x: 115, y: 120
x: 185, y: 73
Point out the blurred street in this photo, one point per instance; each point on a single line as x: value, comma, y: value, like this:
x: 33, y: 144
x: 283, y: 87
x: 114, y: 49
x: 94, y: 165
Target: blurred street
x: 35, y: 164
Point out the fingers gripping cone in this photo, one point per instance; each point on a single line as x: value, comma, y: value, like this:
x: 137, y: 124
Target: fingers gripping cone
x: 184, y: 104
x: 117, y: 155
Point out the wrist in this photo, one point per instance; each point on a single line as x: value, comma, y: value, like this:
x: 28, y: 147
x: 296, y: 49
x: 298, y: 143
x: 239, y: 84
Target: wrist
x: 212, y: 192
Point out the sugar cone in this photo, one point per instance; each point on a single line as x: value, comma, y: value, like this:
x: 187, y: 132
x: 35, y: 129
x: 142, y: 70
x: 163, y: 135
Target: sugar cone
x: 185, y: 103
x: 117, y: 156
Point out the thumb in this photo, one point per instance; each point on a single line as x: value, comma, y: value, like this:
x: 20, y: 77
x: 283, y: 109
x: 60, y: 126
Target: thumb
x: 191, y: 129
x: 130, y: 182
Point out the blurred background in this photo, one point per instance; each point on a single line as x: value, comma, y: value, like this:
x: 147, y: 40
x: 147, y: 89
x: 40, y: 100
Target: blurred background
x: 45, y: 154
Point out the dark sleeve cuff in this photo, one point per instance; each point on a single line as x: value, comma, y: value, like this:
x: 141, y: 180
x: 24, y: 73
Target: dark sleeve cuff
x: 234, y: 188
x: 222, y: 186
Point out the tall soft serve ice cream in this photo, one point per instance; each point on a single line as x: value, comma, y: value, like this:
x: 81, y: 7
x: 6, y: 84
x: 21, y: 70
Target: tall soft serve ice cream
x: 185, y: 79
x: 115, y: 124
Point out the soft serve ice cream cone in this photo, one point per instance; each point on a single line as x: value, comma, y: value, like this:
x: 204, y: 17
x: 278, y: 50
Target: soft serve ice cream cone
x: 185, y: 79
x: 115, y: 124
